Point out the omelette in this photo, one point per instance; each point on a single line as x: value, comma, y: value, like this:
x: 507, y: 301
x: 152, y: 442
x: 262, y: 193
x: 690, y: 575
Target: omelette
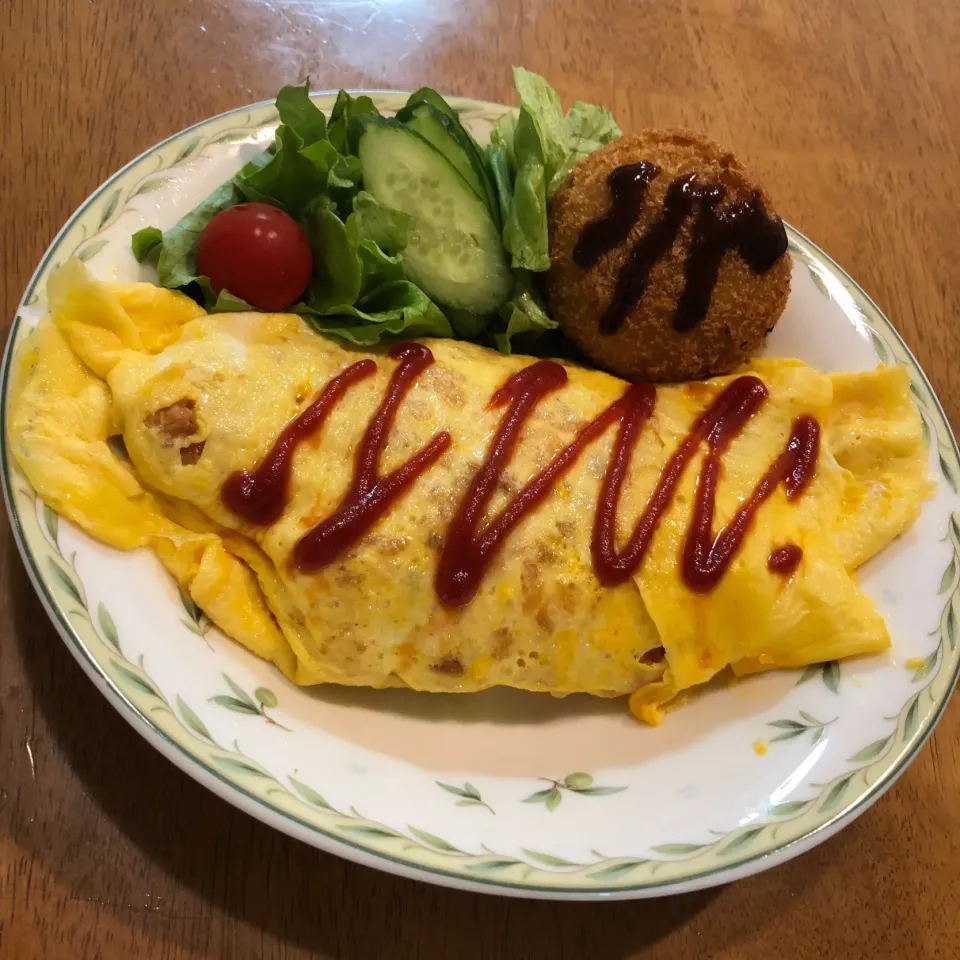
x: 445, y: 518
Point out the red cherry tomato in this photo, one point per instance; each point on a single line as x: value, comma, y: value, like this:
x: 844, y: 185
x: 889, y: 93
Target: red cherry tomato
x: 257, y: 252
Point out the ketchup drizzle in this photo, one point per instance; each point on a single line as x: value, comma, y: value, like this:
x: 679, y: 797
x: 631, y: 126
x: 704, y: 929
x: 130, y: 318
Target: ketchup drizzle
x: 466, y: 555
x: 705, y: 557
x: 727, y: 415
x: 370, y: 495
x: 259, y: 496
x: 784, y: 560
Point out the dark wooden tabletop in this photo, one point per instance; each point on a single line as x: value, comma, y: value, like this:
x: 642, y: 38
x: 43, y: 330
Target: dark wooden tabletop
x: 849, y: 110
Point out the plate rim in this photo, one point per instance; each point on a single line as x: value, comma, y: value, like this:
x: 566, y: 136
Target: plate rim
x: 288, y: 822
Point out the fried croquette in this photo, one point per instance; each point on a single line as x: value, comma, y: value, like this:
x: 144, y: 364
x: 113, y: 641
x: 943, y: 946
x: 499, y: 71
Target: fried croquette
x: 666, y: 261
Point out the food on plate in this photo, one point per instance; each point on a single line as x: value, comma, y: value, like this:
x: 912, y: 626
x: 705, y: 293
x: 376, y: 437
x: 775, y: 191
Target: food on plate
x: 437, y: 515
x: 661, y: 258
x: 667, y: 261
x: 413, y: 228
x: 372, y: 489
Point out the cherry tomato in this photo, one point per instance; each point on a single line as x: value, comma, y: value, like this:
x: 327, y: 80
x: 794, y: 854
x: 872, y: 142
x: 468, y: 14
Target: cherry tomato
x: 257, y: 252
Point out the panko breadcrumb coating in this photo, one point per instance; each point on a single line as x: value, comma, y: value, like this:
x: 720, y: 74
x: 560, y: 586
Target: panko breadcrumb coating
x: 744, y: 305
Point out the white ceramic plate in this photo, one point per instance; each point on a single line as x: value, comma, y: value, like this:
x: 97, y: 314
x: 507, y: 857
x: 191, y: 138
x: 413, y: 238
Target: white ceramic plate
x: 505, y: 792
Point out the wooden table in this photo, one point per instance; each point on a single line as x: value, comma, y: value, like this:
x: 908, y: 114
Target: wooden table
x: 848, y: 109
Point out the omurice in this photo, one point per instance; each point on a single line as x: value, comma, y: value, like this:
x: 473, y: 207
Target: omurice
x: 438, y: 516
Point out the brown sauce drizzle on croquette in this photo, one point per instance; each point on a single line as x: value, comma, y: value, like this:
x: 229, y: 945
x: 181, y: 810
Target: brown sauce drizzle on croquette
x: 260, y: 495
x: 745, y: 227
x: 628, y: 187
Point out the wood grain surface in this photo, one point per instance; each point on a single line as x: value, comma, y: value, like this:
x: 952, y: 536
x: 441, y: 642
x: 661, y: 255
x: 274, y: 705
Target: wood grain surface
x: 848, y: 109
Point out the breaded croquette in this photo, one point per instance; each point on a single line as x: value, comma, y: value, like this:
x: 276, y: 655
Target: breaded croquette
x: 667, y: 262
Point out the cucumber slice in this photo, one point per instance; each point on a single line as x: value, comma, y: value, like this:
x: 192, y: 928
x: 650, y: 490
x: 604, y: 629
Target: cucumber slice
x: 438, y: 130
x: 424, y: 111
x: 431, y: 97
x: 454, y: 252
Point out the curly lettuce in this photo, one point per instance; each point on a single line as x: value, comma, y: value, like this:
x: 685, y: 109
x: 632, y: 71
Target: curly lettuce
x: 532, y: 155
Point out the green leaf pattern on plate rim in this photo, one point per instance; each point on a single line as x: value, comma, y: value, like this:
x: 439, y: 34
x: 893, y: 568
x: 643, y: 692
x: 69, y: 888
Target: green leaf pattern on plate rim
x: 239, y: 701
x: 790, y: 729
x: 469, y: 795
x: 792, y: 820
x: 579, y: 782
x: 829, y: 673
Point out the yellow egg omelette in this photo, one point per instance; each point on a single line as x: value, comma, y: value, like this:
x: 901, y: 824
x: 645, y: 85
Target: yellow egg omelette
x: 198, y: 399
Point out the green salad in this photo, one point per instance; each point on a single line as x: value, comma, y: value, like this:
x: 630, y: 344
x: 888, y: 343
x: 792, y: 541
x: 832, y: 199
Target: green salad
x: 388, y: 227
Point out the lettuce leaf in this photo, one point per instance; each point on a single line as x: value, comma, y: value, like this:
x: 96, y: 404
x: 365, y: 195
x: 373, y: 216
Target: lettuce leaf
x: 359, y: 292
x: 343, y: 183
x: 177, y: 264
x: 590, y: 125
x: 304, y: 163
x: 540, y: 105
x: 524, y: 315
x: 336, y: 268
x: 299, y: 113
x: 226, y: 302
x: 144, y: 242
x: 502, y: 174
x: 351, y: 258
x: 398, y: 308
x: 541, y: 147
x: 386, y: 227
x: 293, y: 176
x: 406, y: 323
x: 376, y: 267
x: 502, y: 136
x: 588, y: 129
x: 348, y: 119
x: 525, y: 229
